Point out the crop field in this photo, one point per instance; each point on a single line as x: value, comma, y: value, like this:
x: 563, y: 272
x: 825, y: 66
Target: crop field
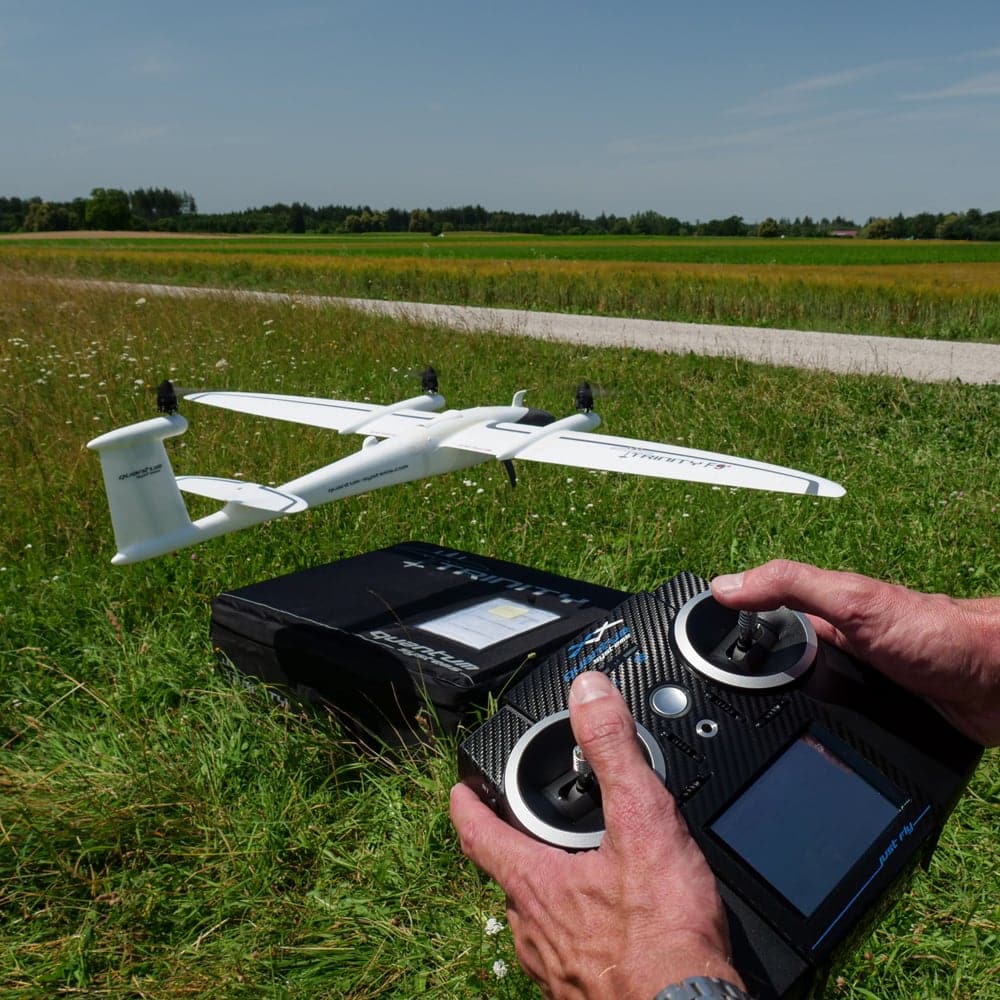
x: 165, y: 834
x: 941, y: 289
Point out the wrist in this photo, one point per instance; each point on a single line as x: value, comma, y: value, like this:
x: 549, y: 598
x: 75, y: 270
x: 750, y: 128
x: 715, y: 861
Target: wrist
x: 691, y: 958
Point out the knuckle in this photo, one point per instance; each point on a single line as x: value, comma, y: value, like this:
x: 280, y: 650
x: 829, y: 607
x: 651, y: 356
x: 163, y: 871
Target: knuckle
x: 600, y: 731
x: 781, y: 573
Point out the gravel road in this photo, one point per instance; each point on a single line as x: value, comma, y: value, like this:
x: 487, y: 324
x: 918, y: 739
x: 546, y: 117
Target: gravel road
x: 920, y: 360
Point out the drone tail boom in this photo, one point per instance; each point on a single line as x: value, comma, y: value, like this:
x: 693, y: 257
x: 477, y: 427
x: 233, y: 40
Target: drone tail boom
x: 148, y: 512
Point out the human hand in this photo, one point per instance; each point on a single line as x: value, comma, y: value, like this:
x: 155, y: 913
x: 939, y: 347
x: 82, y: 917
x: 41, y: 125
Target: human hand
x: 944, y: 649
x: 622, y: 921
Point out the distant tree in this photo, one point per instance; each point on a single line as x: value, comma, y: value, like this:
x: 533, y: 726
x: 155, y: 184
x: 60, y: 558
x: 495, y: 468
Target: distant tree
x: 807, y: 227
x: 420, y: 220
x: 879, y: 229
x: 898, y: 227
x: 654, y: 224
x: 47, y: 217
x: 12, y: 211
x: 151, y: 206
x: 769, y: 229
x: 952, y: 227
x: 296, y: 219
x: 108, y: 208
x: 922, y: 225
x: 732, y: 226
x: 397, y: 221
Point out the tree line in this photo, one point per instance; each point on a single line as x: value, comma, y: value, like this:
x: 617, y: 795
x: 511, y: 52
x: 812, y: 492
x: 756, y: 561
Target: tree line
x: 165, y: 210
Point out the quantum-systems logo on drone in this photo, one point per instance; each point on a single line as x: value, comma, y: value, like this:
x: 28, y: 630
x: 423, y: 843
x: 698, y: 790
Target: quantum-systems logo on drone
x: 143, y: 473
x: 595, y: 647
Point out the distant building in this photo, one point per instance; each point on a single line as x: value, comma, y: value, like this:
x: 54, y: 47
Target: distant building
x: 845, y: 233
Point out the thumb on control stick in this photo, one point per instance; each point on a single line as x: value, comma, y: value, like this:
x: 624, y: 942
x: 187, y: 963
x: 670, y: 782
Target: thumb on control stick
x: 633, y: 797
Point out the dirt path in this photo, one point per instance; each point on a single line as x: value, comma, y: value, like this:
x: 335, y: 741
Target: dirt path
x: 920, y: 360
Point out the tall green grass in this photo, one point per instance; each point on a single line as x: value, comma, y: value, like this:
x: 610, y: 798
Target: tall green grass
x: 832, y: 252
x: 941, y: 291
x: 165, y: 834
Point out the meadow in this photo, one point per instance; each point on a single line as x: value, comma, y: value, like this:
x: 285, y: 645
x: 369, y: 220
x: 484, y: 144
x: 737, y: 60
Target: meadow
x: 166, y: 834
x: 940, y: 289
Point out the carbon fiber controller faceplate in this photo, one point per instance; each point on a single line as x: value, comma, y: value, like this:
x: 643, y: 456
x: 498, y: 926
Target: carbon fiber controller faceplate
x: 812, y: 784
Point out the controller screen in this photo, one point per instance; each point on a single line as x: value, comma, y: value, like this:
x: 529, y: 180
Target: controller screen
x: 805, y: 822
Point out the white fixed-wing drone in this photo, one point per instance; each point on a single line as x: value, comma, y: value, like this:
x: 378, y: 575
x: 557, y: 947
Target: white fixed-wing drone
x: 150, y: 517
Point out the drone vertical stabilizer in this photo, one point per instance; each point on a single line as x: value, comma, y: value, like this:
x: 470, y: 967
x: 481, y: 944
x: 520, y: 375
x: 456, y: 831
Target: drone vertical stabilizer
x: 146, y: 504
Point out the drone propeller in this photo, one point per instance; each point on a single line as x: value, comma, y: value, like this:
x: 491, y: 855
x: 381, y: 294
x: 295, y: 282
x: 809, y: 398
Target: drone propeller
x: 167, y: 395
x: 584, y: 397
x: 427, y: 376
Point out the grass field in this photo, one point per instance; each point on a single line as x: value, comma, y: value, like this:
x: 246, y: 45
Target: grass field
x: 166, y: 835
x: 940, y: 289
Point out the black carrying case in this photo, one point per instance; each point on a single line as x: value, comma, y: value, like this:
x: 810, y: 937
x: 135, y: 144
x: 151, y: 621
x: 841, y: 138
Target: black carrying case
x: 403, y: 639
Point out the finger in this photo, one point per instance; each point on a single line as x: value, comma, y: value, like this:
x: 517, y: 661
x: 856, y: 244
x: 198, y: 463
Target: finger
x: 494, y: 846
x: 605, y: 731
x: 827, y: 594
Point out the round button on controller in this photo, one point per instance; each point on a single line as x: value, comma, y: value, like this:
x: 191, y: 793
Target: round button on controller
x: 670, y: 701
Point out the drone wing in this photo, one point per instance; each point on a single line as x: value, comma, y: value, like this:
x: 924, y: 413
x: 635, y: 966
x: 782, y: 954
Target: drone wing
x: 345, y: 416
x: 641, y: 458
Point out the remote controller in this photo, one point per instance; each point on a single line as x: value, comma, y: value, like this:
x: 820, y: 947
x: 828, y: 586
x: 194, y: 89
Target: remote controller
x: 812, y: 783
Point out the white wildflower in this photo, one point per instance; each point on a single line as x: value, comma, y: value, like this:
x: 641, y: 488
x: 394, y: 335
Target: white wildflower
x: 493, y: 927
x: 140, y: 302
x: 499, y: 968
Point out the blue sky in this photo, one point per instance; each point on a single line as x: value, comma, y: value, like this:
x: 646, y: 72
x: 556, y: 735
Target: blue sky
x: 694, y: 110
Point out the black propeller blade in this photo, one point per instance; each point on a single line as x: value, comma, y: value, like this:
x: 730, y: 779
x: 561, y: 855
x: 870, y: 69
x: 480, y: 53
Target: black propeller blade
x: 429, y: 379
x: 168, y: 393
x: 166, y: 397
